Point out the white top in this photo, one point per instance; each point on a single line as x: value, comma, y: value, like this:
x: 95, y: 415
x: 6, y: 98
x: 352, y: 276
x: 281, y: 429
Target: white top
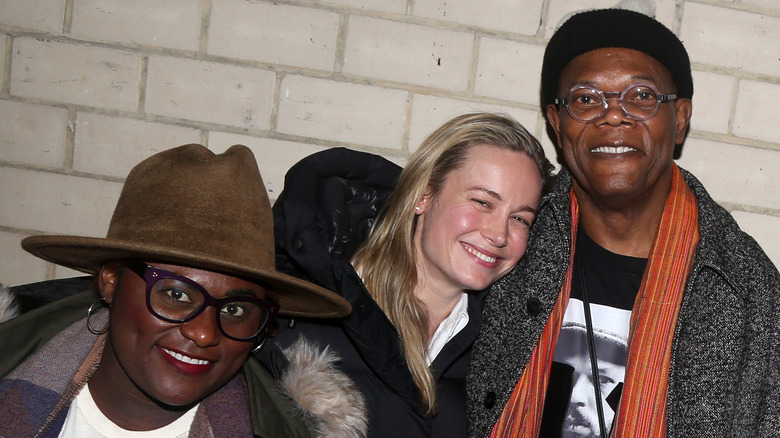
x: 86, y: 420
x: 452, y: 324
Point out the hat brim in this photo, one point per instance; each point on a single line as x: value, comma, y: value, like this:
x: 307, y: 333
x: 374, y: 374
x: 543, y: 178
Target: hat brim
x: 296, y: 297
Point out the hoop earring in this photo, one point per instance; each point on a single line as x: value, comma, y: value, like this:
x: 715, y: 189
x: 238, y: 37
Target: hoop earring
x: 92, y: 311
x: 259, y: 346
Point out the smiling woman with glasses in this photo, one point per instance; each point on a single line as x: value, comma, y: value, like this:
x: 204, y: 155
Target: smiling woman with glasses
x: 185, y: 288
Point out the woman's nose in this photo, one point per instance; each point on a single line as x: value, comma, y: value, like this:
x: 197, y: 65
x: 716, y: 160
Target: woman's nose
x: 203, y: 329
x: 496, y: 230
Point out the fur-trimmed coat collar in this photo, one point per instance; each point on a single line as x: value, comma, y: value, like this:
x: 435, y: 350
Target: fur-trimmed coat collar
x: 325, y: 397
x: 8, y: 307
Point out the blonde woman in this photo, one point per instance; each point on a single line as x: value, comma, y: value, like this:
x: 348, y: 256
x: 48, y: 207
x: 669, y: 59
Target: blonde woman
x: 457, y: 221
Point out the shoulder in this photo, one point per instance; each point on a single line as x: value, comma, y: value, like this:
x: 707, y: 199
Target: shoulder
x: 729, y: 251
x: 26, y: 333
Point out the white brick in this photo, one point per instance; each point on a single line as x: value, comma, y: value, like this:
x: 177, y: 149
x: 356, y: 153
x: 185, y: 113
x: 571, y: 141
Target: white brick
x: 756, y: 111
x: 18, y: 265
x: 519, y: 16
x: 63, y: 272
x: 41, y: 15
x: 78, y: 74
x: 395, y: 6
x: 329, y: 110
x: 735, y: 174
x: 112, y: 146
x: 58, y: 204
x: 408, y: 53
x: 172, y: 23
x: 210, y: 92
x: 732, y: 38
x: 509, y: 70
x: 712, y: 102
x: 274, y: 157
x: 21, y: 267
x: 768, y: 4
x: 557, y: 10
x: 764, y: 229
x: 430, y: 112
x: 665, y: 11
x: 33, y: 134
x: 270, y: 32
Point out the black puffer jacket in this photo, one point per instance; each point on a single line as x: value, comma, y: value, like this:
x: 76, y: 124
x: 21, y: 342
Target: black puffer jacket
x: 323, y: 214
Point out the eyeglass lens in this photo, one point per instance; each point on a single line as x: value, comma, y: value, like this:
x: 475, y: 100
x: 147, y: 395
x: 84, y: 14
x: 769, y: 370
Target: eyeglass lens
x: 176, y: 300
x: 639, y: 101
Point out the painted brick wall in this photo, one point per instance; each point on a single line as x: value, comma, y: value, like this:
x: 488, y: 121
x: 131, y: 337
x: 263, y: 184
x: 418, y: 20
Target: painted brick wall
x: 91, y: 87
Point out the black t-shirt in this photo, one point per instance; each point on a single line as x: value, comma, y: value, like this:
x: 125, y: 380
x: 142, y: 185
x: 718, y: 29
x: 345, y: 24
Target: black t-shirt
x: 612, y: 282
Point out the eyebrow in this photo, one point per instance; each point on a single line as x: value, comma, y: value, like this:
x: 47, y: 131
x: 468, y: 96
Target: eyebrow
x: 645, y: 78
x: 497, y: 196
x: 487, y: 191
x: 241, y: 292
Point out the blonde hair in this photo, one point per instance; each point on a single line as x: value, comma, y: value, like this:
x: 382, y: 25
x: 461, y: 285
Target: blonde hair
x: 386, y: 261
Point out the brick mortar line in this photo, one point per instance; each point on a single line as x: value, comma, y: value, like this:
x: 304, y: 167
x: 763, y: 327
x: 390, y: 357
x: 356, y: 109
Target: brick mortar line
x: 5, y: 79
x: 743, y: 7
x: 70, y: 140
x: 745, y: 208
x: 205, y: 19
x: 22, y: 231
x: 273, y: 121
x: 407, y: 133
x: 736, y: 73
x: 407, y: 18
x: 734, y: 140
x: 67, y: 19
x: 476, y: 47
x: 341, y: 44
x: 5, y: 164
x: 212, y: 128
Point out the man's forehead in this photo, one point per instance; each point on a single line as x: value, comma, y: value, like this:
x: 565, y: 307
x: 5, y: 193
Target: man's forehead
x: 615, y: 64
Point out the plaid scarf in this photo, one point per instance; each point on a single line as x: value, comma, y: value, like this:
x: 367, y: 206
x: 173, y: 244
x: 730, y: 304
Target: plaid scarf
x: 36, y: 396
x: 642, y: 409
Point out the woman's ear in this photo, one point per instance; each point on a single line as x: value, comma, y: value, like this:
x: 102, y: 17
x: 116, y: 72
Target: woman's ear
x: 424, y: 202
x: 108, y: 279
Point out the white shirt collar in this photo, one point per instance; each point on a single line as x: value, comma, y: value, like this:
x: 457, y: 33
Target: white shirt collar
x: 451, y: 326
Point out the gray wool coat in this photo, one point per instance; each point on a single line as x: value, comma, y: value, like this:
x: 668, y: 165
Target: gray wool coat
x: 725, y: 367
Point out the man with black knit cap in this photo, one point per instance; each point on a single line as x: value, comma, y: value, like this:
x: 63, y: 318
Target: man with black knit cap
x: 628, y: 243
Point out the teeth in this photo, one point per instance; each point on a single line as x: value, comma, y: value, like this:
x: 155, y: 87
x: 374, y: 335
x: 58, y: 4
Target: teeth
x: 480, y: 255
x: 185, y: 359
x: 613, y: 149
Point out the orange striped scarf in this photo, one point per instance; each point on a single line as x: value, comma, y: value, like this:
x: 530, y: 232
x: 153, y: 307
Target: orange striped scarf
x: 642, y: 409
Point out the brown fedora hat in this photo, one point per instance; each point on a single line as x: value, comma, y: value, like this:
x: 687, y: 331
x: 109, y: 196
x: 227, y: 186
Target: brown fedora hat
x: 191, y: 207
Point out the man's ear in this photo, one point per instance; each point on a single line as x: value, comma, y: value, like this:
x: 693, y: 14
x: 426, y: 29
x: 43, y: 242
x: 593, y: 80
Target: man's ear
x: 107, y: 280
x: 683, y: 111
x: 555, y: 122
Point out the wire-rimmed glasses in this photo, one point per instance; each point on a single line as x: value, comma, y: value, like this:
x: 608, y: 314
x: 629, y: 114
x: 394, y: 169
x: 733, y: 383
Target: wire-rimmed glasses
x: 639, y: 101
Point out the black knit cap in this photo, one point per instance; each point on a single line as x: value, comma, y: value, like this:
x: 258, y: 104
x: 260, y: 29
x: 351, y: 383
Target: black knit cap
x: 601, y: 28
